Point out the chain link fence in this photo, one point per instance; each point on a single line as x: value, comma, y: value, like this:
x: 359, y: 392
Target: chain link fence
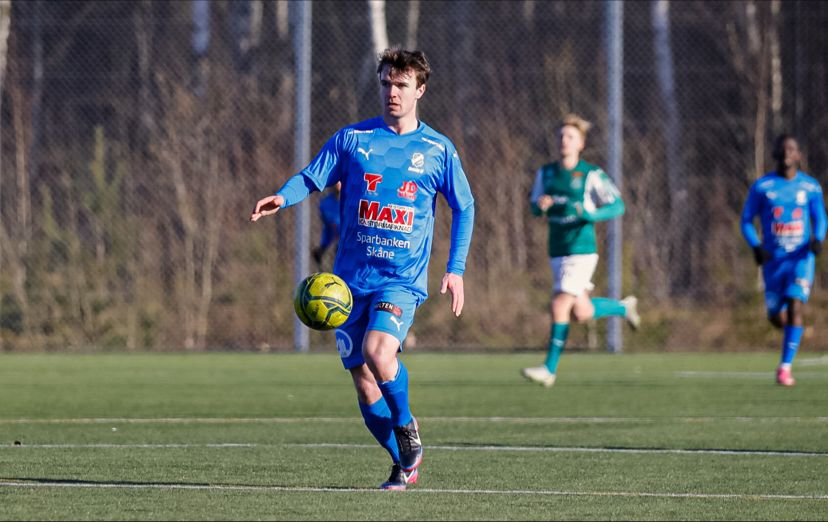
x: 136, y: 137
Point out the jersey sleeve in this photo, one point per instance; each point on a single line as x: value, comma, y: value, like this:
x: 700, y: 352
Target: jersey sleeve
x: 456, y: 190
x: 602, y: 199
x: 818, y: 217
x: 537, y: 192
x: 749, y: 213
x: 323, y: 171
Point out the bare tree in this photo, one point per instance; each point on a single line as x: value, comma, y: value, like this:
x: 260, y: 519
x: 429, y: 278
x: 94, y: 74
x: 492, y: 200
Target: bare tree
x: 676, y: 180
x: 379, y: 28
x: 412, y: 23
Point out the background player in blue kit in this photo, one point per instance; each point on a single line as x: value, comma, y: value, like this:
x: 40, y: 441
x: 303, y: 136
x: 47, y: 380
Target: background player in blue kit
x: 391, y: 169
x: 329, y: 214
x: 792, y: 214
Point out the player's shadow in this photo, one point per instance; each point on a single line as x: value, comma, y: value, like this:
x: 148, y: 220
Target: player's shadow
x: 103, y: 483
x: 135, y: 484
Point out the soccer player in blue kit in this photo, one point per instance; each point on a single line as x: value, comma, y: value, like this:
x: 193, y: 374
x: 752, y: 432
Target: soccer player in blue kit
x: 391, y: 168
x: 329, y: 213
x: 792, y: 214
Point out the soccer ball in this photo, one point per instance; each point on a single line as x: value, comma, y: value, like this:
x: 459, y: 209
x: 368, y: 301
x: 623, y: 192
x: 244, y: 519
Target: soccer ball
x: 322, y: 301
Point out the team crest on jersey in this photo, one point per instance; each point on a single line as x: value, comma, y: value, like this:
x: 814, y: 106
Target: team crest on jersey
x: 408, y: 190
x: 372, y: 180
x: 801, y: 197
x: 417, y: 163
x: 797, y: 213
x: 777, y: 212
x: 387, y: 217
x: 577, y: 180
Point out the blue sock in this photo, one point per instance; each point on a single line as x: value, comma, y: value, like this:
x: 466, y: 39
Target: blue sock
x: 396, y: 395
x: 378, y: 420
x: 557, y: 341
x: 605, y: 306
x: 793, y: 334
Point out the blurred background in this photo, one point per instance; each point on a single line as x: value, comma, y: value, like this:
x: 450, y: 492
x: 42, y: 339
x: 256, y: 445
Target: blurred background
x: 138, y: 135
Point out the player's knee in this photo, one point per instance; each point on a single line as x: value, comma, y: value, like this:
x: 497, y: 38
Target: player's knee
x: 380, y: 356
x: 795, y: 308
x: 581, y: 316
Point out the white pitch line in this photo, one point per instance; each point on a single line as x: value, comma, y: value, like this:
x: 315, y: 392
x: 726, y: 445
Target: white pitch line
x: 750, y: 375
x: 301, y: 489
x: 538, y: 449
x: 814, y: 361
x: 357, y: 420
x: 582, y: 449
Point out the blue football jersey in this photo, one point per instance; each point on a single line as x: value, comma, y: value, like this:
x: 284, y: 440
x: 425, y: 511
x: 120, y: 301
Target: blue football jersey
x: 790, y: 213
x: 387, y: 202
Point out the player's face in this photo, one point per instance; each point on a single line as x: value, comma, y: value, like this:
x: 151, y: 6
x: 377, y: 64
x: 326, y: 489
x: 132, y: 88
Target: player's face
x: 571, y: 141
x: 790, y: 153
x: 399, y: 93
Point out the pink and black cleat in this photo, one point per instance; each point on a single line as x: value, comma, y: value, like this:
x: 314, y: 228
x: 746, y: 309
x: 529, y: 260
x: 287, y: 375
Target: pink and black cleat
x: 400, y: 479
x: 411, y: 449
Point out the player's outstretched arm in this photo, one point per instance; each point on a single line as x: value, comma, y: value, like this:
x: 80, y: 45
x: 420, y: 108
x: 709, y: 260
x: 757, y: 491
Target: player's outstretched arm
x: 454, y: 284
x: 267, y: 206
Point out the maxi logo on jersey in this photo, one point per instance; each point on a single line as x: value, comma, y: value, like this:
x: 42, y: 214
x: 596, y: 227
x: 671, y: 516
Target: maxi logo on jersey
x: 792, y: 229
x: 387, y: 217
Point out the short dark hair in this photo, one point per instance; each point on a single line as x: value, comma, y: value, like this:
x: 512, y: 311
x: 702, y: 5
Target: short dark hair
x: 400, y: 60
x: 778, y: 152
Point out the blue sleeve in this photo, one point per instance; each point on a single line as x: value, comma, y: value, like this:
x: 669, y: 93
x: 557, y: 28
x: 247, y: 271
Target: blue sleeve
x: 455, y: 186
x: 458, y: 194
x: 818, y: 217
x: 748, y: 215
x: 462, y: 223
x: 322, y: 172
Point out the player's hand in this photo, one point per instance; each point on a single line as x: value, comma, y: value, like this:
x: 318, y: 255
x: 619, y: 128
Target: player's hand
x: 454, y: 284
x: 544, y: 202
x: 761, y: 255
x: 267, y: 206
x: 816, y: 246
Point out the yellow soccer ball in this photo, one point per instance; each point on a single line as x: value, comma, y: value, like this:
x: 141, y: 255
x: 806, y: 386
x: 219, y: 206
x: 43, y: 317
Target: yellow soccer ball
x: 323, y: 301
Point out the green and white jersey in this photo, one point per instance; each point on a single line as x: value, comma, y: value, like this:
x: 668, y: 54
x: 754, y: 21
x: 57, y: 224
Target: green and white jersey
x: 580, y: 197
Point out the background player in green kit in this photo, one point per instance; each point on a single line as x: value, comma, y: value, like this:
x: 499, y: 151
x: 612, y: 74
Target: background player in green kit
x: 573, y: 194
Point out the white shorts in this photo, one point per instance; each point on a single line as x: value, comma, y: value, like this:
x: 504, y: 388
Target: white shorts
x: 573, y: 274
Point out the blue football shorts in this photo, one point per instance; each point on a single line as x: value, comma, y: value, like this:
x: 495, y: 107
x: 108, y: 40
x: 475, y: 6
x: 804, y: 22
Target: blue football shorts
x: 390, y: 310
x: 785, y: 278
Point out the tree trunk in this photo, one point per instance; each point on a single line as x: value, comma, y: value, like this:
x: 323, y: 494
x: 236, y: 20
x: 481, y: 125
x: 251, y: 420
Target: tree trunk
x: 412, y: 24
x: 282, y: 20
x: 143, y: 42
x: 776, y: 68
x: 676, y: 180
x: 379, y: 28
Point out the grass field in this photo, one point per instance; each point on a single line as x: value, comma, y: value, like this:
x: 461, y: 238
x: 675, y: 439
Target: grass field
x: 245, y: 437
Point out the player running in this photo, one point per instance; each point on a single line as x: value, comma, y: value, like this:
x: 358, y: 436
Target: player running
x: 329, y: 213
x: 792, y: 214
x: 573, y: 194
x: 391, y: 168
